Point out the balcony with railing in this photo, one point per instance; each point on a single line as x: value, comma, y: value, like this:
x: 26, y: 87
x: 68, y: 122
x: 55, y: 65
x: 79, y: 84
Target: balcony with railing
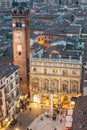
x: 56, y: 60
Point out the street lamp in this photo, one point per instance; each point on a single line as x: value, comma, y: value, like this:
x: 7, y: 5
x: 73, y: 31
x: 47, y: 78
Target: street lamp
x: 52, y: 92
x: 51, y: 89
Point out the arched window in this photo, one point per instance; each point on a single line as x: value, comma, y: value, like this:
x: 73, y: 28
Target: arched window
x: 45, y: 84
x: 0, y: 93
x: 54, y: 84
x: 34, y: 69
x: 18, y: 24
x: 35, y: 84
x: 65, y: 72
x: 64, y: 86
x: 74, y: 86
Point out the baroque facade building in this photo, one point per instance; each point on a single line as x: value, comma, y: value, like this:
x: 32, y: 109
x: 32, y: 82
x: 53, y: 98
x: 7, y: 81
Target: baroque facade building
x: 62, y: 77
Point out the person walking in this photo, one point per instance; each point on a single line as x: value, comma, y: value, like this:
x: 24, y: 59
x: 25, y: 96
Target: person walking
x: 30, y: 108
x: 19, y: 122
x: 61, y: 120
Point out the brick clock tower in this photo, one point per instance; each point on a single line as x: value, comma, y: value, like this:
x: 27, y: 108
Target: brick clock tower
x: 21, y: 43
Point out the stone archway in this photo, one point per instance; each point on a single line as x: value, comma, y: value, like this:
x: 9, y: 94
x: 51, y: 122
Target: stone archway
x: 64, y: 86
x: 54, y: 84
x: 36, y: 98
x: 74, y: 86
x: 35, y: 83
x: 45, y: 86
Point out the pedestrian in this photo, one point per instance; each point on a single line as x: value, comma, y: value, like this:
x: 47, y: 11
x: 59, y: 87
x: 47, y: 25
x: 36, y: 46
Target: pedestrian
x: 57, y: 111
x: 27, y: 128
x: 19, y: 122
x: 30, y: 108
x: 41, y: 118
x: 61, y: 120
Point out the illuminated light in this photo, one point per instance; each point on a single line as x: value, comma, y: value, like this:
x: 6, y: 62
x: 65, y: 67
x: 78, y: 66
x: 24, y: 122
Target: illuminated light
x: 21, y: 97
x: 79, y: 95
x: 41, y: 41
x: 18, y: 31
x: 8, y: 122
x: 6, y: 119
x: 23, y: 25
x: 38, y: 100
x: 35, y: 98
x: 72, y: 103
x: 17, y: 129
x: 13, y: 25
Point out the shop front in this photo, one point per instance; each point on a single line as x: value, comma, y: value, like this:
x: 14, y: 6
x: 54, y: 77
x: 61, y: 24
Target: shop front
x: 55, y: 101
x: 73, y: 101
x: 4, y: 122
x: 64, y: 101
x: 36, y: 98
x: 45, y: 99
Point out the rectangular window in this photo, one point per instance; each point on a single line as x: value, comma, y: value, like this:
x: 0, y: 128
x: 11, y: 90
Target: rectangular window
x: 1, y: 103
x: 6, y: 90
x: 16, y: 81
x: 19, y: 53
x: 0, y: 94
x: 12, y: 95
x: 20, y: 78
x: 16, y: 73
x: 11, y: 77
x: 1, y: 115
x: 64, y: 87
x: 11, y: 86
x: 45, y: 71
x: 7, y: 81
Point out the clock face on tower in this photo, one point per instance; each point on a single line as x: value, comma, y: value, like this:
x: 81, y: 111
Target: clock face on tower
x: 18, y: 36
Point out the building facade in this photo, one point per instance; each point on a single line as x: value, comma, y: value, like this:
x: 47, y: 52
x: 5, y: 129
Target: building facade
x: 83, y: 1
x: 60, y: 77
x: 5, y: 3
x: 9, y: 92
x: 21, y: 43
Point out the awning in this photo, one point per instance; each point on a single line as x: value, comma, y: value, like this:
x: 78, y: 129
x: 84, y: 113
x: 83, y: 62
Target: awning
x: 69, y: 112
x: 69, y: 119
x: 68, y: 124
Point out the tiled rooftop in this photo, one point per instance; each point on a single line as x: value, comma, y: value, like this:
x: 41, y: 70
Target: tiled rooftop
x: 7, y: 69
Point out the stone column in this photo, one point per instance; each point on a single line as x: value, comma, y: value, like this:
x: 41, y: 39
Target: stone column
x: 51, y: 101
x: 59, y: 86
x: 69, y: 87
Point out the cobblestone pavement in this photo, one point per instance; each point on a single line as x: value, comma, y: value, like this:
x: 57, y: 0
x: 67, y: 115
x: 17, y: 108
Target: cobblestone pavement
x: 47, y: 123
x: 32, y: 119
x: 26, y: 117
